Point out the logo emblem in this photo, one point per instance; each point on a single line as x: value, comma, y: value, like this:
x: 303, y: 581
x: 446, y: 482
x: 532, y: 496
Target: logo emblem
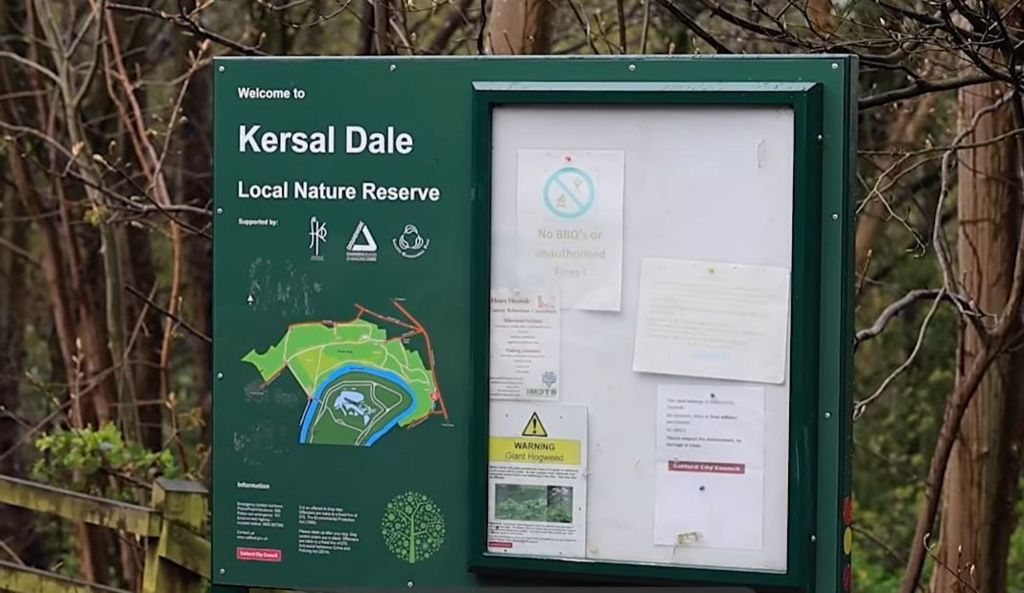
x: 549, y: 378
x: 569, y: 193
x: 411, y: 244
x: 317, y: 235
x: 362, y: 246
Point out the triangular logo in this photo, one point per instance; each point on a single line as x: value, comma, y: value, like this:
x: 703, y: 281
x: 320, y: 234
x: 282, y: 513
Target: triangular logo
x: 534, y: 427
x: 362, y: 241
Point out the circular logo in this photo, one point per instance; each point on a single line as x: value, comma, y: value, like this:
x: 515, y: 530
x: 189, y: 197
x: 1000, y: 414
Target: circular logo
x: 413, y: 527
x: 569, y: 193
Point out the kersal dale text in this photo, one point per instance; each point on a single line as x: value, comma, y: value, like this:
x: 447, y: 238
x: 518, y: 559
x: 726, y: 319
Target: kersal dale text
x: 357, y: 140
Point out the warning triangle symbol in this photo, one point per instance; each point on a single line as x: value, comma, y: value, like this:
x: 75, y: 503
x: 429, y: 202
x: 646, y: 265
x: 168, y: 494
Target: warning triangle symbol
x: 362, y: 232
x: 534, y: 427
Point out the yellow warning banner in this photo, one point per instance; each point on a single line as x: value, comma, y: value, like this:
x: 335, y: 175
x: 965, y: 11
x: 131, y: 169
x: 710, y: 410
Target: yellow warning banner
x: 534, y: 450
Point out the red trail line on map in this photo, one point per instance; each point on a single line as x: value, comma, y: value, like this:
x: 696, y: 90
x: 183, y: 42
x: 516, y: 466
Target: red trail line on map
x: 430, y: 355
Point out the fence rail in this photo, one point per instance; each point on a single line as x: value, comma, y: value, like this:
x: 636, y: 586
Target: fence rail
x: 18, y: 578
x: 177, y: 554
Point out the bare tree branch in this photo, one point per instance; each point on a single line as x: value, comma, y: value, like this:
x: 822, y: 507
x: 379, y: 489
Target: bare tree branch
x: 186, y: 22
x: 188, y: 327
x: 905, y: 302
x: 921, y: 87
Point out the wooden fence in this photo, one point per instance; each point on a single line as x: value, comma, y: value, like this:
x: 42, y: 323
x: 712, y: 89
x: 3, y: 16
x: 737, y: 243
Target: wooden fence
x: 177, y: 554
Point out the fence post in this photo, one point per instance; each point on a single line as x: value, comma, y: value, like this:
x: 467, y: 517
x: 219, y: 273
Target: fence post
x: 178, y: 560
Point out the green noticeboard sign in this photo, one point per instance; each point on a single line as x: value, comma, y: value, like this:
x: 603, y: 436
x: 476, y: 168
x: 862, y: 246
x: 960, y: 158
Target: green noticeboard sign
x: 485, y: 320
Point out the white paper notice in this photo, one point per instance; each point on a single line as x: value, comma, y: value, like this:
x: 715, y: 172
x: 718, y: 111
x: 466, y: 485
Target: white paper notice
x: 525, y: 344
x: 537, y: 480
x: 569, y: 225
x: 710, y: 467
x: 718, y: 320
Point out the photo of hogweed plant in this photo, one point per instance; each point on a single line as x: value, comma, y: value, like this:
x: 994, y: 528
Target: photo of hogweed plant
x: 522, y: 502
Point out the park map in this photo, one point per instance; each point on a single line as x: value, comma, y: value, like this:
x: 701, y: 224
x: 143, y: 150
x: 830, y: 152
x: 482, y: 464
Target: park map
x: 360, y: 383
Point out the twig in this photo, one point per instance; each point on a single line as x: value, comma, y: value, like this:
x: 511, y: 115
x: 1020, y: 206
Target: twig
x: 861, y: 279
x: 195, y: 332
x: 907, y: 300
x: 895, y: 464
x: 585, y: 25
x: 891, y: 553
x: 27, y: 434
x: 938, y: 237
x: 186, y: 22
x: 944, y: 566
x: 692, y: 25
x: 10, y: 552
x: 165, y: 209
x: 645, y: 26
x: 127, y: 478
x: 862, y: 405
x: 482, y: 33
x: 921, y: 87
x: 23, y: 254
x: 455, y: 20
x: 30, y: 64
x: 621, y: 10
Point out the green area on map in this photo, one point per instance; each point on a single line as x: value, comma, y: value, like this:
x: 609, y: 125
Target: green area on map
x: 360, y: 383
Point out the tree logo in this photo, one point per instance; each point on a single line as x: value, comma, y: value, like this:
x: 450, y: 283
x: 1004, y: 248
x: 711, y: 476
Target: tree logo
x: 413, y: 527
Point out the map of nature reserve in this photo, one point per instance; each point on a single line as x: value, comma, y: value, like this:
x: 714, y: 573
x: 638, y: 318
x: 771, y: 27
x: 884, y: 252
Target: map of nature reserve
x: 360, y: 382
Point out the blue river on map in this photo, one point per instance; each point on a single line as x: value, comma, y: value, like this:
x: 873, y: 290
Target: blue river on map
x: 307, y: 419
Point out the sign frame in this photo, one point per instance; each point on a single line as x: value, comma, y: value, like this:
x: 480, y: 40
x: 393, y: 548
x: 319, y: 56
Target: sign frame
x: 825, y: 88
x: 819, y: 400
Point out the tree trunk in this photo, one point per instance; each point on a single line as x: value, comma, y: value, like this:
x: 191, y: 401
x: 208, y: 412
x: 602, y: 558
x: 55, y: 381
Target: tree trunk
x: 196, y: 163
x: 901, y: 134
x: 981, y: 486
x: 17, y: 527
x: 141, y: 273
x: 819, y: 15
x: 519, y: 27
x: 382, y: 45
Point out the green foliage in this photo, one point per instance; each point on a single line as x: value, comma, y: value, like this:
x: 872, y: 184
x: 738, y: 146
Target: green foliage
x: 870, y: 575
x: 1015, y: 562
x: 559, y: 504
x: 526, y: 510
x: 413, y: 527
x: 86, y: 459
x: 895, y: 437
x: 521, y: 502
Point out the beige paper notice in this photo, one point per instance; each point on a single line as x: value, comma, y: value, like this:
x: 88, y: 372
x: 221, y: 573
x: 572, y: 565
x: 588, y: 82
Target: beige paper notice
x: 708, y: 319
x: 709, y: 478
x: 525, y: 344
